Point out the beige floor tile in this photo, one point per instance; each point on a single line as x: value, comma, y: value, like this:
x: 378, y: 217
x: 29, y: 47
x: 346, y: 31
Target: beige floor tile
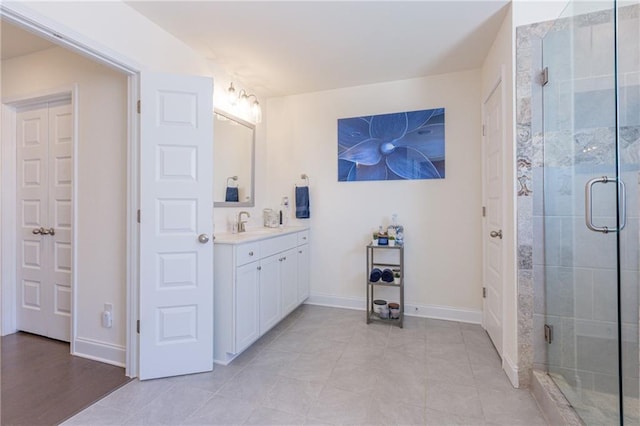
x: 441, y: 418
x: 293, y: 396
x: 327, y: 366
x: 454, y: 399
x: 450, y: 372
x: 97, y: 415
x: 310, y: 367
x: 516, y: 407
x: 221, y: 411
x: 386, y: 412
x: 172, y: 407
x: 251, y: 384
x: 135, y: 395
x: 269, y: 416
x: 339, y: 406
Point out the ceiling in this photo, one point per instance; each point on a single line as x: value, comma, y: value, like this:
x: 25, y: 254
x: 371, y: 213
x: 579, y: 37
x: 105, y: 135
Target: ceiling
x: 18, y: 42
x: 279, y: 48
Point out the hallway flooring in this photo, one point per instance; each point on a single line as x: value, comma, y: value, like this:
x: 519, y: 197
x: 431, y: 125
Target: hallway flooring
x: 42, y: 384
x: 326, y: 366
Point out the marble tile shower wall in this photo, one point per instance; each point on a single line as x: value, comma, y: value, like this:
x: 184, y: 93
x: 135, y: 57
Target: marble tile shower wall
x: 580, y: 265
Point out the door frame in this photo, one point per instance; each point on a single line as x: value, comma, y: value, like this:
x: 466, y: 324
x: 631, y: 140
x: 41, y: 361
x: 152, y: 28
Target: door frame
x: 9, y: 184
x: 27, y: 19
x: 498, y: 82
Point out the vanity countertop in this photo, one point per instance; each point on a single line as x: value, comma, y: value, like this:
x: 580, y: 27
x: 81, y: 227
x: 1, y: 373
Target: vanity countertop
x: 255, y: 234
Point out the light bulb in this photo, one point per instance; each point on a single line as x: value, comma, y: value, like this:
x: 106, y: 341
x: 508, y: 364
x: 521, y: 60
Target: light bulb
x: 256, y: 111
x: 231, y: 94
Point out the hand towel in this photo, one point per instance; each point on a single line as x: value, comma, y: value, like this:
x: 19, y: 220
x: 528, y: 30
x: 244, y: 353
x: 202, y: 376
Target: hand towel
x: 387, y: 276
x: 232, y: 194
x: 375, y: 275
x: 302, y: 202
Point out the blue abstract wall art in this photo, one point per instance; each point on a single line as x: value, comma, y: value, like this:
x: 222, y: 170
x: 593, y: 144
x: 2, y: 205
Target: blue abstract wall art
x: 404, y: 145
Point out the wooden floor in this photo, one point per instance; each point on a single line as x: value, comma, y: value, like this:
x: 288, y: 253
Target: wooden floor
x: 43, y: 385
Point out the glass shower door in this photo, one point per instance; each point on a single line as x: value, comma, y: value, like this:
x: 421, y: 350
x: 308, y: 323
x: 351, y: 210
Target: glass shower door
x: 583, y: 200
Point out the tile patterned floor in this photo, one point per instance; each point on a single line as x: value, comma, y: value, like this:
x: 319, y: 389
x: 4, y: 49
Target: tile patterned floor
x: 325, y: 366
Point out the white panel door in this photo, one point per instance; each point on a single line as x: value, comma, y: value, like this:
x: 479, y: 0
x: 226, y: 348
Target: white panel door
x: 60, y: 217
x: 176, y: 247
x: 492, y: 239
x: 44, y: 170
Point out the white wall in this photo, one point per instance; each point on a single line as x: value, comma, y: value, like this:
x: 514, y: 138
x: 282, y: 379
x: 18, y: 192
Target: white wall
x: 499, y: 63
x: 527, y: 12
x: 441, y: 217
x: 102, y: 174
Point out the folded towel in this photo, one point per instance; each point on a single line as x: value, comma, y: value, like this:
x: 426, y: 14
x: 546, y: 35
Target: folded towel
x: 375, y: 275
x: 232, y: 194
x: 302, y: 202
x: 387, y: 276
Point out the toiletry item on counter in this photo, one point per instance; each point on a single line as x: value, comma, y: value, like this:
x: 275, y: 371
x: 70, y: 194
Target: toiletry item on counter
x: 380, y: 308
x: 395, y: 230
x: 394, y: 310
x: 270, y: 218
x: 383, y: 238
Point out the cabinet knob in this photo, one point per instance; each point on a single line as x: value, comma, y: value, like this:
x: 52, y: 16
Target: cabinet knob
x: 259, y: 268
x: 300, y: 251
x: 250, y: 253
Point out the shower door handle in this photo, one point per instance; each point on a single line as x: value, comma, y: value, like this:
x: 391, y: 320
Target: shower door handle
x: 588, y: 204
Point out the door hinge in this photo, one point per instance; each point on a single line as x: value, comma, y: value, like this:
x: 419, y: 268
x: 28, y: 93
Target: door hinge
x: 138, y: 106
x: 138, y: 215
x: 545, y: 76
x: 484, y: 292
x: 484, y: 211
x: 138, y: 326
x: 483, y: 130
x: 548, y: 333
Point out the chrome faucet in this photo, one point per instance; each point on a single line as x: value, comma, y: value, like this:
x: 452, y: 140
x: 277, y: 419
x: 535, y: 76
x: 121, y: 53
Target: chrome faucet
x: 242, y: 224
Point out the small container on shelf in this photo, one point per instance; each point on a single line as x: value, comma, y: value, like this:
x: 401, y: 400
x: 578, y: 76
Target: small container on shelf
x: 380, y: 308
x: 394, y: 310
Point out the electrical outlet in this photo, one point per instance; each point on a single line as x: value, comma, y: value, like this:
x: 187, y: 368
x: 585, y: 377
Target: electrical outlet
x: 107, y: 315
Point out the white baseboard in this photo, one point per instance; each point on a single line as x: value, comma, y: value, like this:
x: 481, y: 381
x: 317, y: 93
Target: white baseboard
x: 414, y: 310
x: 511, y: 369
x: 100, y: 351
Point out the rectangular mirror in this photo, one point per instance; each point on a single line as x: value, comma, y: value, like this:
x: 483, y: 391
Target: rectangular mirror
x: 233, y: 161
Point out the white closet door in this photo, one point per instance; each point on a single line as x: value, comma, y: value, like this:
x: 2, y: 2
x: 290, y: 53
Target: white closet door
x: 59, y: 218
x: 44, y: 177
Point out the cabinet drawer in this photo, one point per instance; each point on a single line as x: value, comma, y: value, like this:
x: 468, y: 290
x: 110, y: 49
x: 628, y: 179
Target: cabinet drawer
x: 246, y: 253
x: 303, y: 237
x: 277, y: 244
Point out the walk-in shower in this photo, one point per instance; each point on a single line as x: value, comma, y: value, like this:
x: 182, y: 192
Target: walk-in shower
x: 587, y: 212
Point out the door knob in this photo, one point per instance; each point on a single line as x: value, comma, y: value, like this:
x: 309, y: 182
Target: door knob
x: 494, y: 234
x: 37, y: 231
x: 49, y: 231
x: 203, y: 238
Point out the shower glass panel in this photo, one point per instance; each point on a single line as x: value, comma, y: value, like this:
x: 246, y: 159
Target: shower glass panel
x: 591, y: 137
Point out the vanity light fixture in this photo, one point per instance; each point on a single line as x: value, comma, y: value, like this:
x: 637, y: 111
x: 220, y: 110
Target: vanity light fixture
x: 242, y: 99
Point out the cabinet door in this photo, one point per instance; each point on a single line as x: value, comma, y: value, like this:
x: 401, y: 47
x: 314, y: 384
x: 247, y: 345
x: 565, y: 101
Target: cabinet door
x: 270, y: 311
x: 304, y: 283
x: 289, y: 280
x: 247, y: 328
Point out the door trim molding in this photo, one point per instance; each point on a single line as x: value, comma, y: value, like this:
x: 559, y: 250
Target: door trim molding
x: 24, y: 17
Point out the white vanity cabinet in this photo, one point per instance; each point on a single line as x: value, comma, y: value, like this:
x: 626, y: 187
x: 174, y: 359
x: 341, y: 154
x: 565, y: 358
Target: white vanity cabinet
x: 258, y: 280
